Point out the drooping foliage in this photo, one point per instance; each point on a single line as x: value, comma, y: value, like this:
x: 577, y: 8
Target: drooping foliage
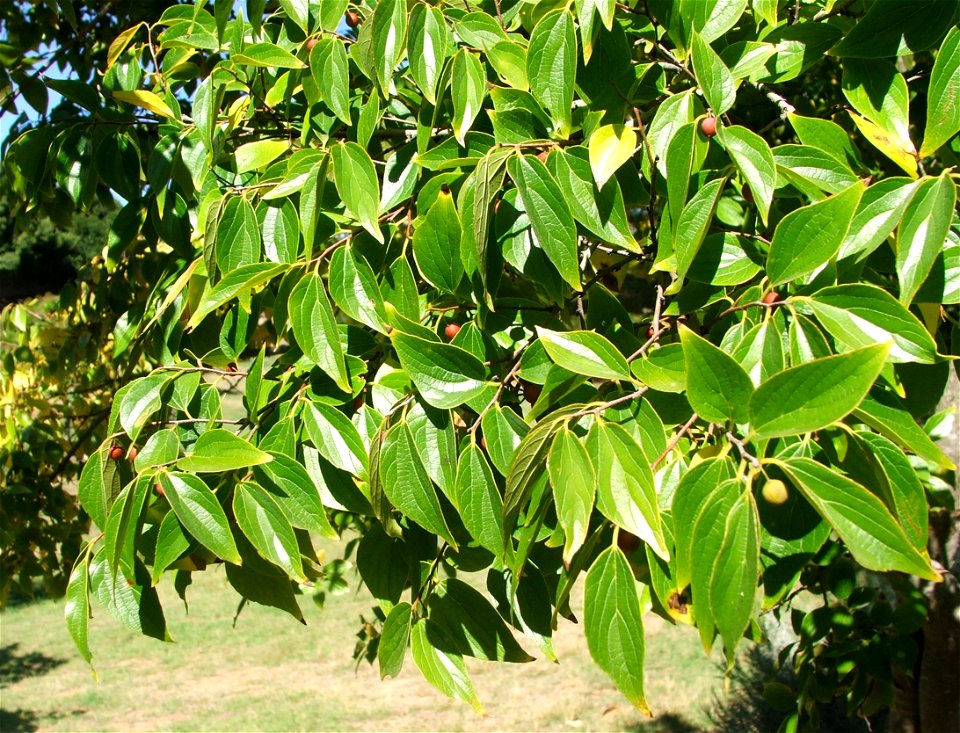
x: 528, y: 293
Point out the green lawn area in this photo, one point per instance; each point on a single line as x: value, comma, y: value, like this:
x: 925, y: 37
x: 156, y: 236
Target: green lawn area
x: 273, y: 674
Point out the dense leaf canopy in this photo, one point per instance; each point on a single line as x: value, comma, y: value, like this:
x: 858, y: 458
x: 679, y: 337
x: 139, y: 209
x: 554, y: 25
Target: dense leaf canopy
x: 521, y: 292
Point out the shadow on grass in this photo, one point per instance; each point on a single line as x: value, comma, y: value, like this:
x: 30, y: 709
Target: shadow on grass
x: 17, y: 721
x: 668, y: 723
x: 15, y: 666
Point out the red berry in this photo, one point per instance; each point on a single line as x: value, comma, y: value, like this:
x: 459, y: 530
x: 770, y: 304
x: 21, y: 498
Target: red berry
x: 627, y: 541
x: 132, y: 453
x: 311, y: 42
x: 542, y: 156
x: 708, y: 126
x: 531, y: 392
x: 770, y: 298
x: 353, y: 20
x: 159, y: 489
x: 451, y: 330
x: 650, y: 332
x: 747, y: 193
x: 116, y: 453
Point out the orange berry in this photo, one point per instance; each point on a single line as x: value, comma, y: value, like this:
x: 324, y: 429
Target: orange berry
x: 451, y: 330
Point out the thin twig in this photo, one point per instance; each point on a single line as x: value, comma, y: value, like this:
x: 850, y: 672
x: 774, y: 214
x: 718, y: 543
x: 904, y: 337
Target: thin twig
x: 674, y: 440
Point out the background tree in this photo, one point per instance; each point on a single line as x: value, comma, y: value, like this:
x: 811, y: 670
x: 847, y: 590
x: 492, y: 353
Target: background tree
x: 662, y: 294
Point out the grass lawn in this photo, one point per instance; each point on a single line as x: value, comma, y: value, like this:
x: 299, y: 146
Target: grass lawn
x: 272, y: 674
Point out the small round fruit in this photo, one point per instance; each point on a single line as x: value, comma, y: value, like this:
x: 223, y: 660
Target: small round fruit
x: 770, y: 298
x: 650, y: 332
x: 159, y: 489
x: 747, y: 193
x: 531, y: 391
x: 451, y: 330
x: 116, y: 453
x: 132, y: 453
x: 353, y: 20
x: 775, y: 492
x: 542, y: 156
x: 311, y: 42
x: 483, y: 443
x: 708, y: 126
x: 627, y: 542
x: 358, y: 402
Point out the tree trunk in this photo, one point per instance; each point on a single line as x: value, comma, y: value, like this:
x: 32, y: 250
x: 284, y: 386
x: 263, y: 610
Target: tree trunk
x: 930, y: 701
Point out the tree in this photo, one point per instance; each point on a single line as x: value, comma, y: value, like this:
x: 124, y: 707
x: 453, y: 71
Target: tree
x: 658, y: 294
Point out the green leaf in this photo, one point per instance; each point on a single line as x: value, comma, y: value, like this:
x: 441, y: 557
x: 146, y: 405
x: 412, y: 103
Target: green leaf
x: 407, y: 485
x: 478, y: 499
x: 662, y: 369
x: 336, y: 437
x: 552, y: 66
x: 626, y: 494
x: 400, y: 174
x: 389, y: 39
x: 859, y: 314
x: 601, y: 211
x: 724, y: 259
x: 733, y: 582
x: 141, y: 401
x: 572, y: 478
x: 503, y: 430
x: 98, y: 486
x: 394, y: 638
x: 813, y: 395
x: 888, y: 415
x: 901, y: 489
x: 811, y: 236
x: 280, y: 231
x: 441, y: 667
x: 943, y: 95
x: 509, y: 60
x: 315, y: 328
x: 76, y: 609
x: 200, y: 513
x: 707, y: 535
x: 234, y: 285
x: 718, y: 388
x: 330, y: 70
x: 694, y: 222
x: 884, y: 33
x: 754, y: 159
x: 172, y: 542
x: 436, y: 245
x: 610, y: 147
x: 238, y: 235
x: 446, y: 375
x: 878, y: 214
x: 256, y: 155
x: 584, y: 352
x: 220, y: 450
x: 714, y: 78
x: 858, y: 516
x: 263, y: 522
x: 613, y: 623
x: 469, y: 89
x: 354, y: 288
x: 812, y: 171
x: 436, y: 440
x: 878, y: 91
x: 295, y: 491
x: 357, y: 184
x: 267, y: 56
x: 922, y: 233
x: 468, y: 620
x: 480, y: 190
x: 428, y: 43
x: 695, y: 486
x: 550, y: 217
